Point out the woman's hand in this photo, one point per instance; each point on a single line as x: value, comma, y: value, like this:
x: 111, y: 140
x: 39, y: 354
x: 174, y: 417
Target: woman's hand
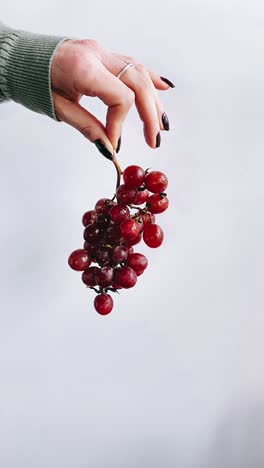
x: 84, y: 67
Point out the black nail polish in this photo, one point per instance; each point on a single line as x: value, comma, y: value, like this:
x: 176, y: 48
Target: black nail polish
x: 103, y: 150
x: 118, y: 145
x: 165, y: 121
x: 158, y: 140
x: 168, y: 82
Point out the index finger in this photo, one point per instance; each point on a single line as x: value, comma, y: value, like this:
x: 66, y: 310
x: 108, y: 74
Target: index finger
x: 115, y: 94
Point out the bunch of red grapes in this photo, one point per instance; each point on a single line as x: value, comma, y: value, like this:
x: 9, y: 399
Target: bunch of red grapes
x: 113, y: 228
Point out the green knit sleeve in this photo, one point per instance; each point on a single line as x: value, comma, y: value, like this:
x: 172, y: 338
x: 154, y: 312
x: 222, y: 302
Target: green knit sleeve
x: 25, y: 62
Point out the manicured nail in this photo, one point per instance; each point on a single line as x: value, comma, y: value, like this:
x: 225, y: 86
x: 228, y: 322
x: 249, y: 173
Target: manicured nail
x: 165, y: 121
x: 103, y: 150
x: 118, y: 145
x: 168, y: 82
x: 158, y: 140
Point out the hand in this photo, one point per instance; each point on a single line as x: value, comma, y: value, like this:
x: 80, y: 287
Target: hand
x: 84, y: 67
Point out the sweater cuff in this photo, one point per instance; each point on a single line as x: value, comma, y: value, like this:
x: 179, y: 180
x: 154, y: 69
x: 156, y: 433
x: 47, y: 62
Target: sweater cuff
x: 25, y: 63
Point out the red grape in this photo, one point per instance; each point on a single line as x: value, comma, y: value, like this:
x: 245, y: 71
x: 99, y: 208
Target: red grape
x: 88, y: 248
x: 104, y: 276
x: 102, y: 255
x: 138, y: 262
x: 119, y: 254
x: 88, y: 217
x: 79, y: 260
x: 112, y: 228
x: 119, y: 213
x: 133, y: 176
x: 156, y: 182
x: 153, y: 235
x: 103, y: 304
x: 148, y: 218
x: 102, y: 222
x: 104, y: 205
x: 88, y: 276
x: 92, y: 233
x: 141, y: 197
x: 129, y: 229
x: 126, y: 195
x: 126, y: 277
x: 112, y: 234
x: 157, y: 203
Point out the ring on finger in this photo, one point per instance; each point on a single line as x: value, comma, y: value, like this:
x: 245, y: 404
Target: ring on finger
x: 127, y: 66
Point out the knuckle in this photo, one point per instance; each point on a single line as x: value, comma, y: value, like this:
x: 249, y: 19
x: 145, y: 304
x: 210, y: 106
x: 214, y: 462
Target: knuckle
x: 130, y: 59
x: 86, y: 129
x: 91, y: 43
x: 140, y: 68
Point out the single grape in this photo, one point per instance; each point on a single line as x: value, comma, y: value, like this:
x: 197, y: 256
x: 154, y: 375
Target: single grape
x: 148, y: 218
x: 133, y: 176
x: 88, y: 248
x: 119, y: 213
x: 88, y: 217
x: 156, y: 182
x: 129, y: 229
x: 79, y: 260
x: 103, y: 304
x: 141, y: 197
x: 102, y: 222
x: 153, y: 235
x: 119, y: 254
x: 88, y: 276
x: 138, y: 262
x: 125, y: 277
x: 92, y: 233
x: 126, y: 195
x: 113, y: 234
x: 102, y: 255
x: 93, y: 249
x: 103, y: 206
x: 157, y: 203
x: 104, y: 276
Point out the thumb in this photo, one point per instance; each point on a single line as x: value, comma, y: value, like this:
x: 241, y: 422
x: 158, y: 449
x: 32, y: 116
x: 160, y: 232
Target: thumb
x: 75, y: 115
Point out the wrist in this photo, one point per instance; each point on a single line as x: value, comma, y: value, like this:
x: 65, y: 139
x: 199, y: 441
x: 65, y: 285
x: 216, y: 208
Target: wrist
x: 25, y: 68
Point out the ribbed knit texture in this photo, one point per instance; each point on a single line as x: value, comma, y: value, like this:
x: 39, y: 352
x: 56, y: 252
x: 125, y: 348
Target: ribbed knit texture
x: 25, y: 62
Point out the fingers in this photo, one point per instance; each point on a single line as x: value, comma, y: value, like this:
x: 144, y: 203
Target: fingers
x: 138, y: 79
x: 116, y: 95
x: 75, y: 115
x: 160, y: 82
x: 144, y: 84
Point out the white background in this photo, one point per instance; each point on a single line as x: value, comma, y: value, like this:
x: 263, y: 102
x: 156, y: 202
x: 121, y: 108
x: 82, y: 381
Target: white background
x: 174, y: 376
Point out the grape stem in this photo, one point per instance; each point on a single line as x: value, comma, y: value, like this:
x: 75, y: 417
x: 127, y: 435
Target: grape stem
x: 144, y: 210
x: 118, y: 171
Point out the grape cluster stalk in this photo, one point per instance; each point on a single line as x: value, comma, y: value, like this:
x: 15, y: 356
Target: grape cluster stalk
x: 113, y: 227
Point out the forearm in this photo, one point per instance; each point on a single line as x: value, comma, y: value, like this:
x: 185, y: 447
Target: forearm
x: 25, y: 60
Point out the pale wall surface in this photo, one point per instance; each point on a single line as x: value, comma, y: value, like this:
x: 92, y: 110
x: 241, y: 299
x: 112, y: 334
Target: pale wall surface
x: 174, y: 376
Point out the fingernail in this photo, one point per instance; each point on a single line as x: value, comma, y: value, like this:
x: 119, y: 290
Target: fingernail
x: 118, y: 145
x: 165, y: 121
x: 168, y: 82
x: 103, y: 150
x: 158, y: 140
